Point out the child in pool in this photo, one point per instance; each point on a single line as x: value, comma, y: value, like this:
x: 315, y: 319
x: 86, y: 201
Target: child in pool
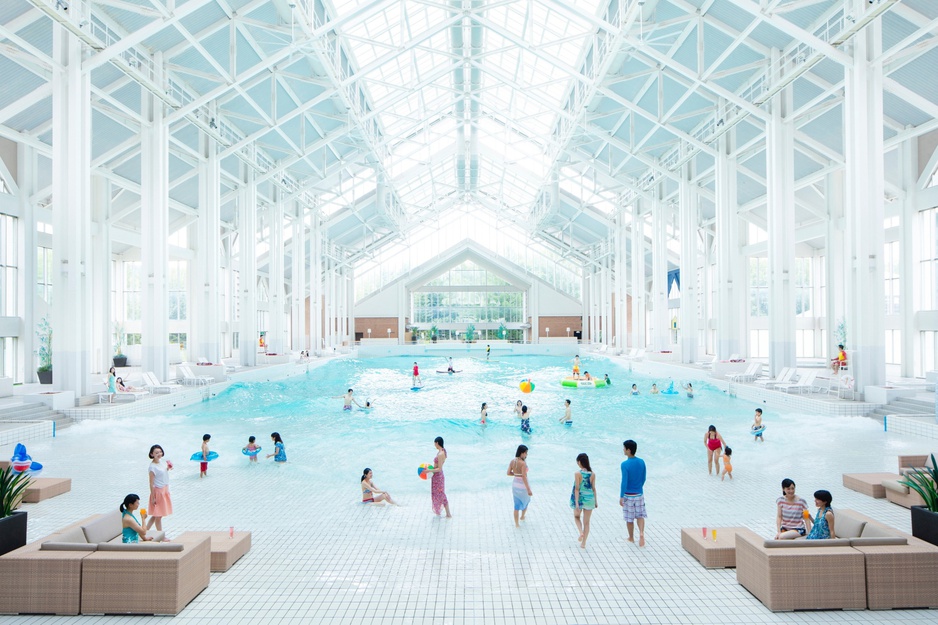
x: 756, y: 425
x: 727, y: 467
x: 654, y: 389
x: 252, y: 447
x: 203, y: 466
x: 690, y: 390
x: 567, y: 418
x: 635, y: 389
x: 485, y: 412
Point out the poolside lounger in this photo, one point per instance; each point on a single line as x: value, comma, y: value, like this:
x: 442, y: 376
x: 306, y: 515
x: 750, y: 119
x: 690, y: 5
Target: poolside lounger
x: 130, y: 395
x: 805, y: 382
x: 193, y: 380
x: 751, y: 373
x: 153, y: 384
x: 784, y: 377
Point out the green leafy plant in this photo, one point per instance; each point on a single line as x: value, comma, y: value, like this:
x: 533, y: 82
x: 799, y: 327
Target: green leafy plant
x: 840, y: 332
x: 118, y: 338
x: 470, y: 333
x: 925, y: 483
x: 502, y: 331
x: 434, y: 332
x: 44, y: 333
x: 12, y: 489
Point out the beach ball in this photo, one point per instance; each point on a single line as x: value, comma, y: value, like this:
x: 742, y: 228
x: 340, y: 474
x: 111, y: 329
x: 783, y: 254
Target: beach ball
x: 526, y: 386
x: 422, y: 471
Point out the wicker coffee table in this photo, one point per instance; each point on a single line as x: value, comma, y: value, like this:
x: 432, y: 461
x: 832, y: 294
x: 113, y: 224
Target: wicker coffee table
x: 226, y: 550
x: 719, y: 554
x: 870, y: 484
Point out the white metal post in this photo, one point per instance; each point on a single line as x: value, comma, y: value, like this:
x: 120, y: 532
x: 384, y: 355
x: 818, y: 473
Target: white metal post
x: 71, y: 200
x: 689, y: 262
x: 731, y: 287
x: 247, y: 235
x: 863, y: 106
x: 661, y: 321
x: 205, y: 287
x: 638, y: 276
x: 26, y: 186
x: 780, y: 198
x: 103, y: 327
x: 275, y: 324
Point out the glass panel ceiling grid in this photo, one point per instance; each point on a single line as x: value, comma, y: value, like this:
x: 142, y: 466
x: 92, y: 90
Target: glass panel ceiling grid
x: 405, y: 55
x: 428, y: 241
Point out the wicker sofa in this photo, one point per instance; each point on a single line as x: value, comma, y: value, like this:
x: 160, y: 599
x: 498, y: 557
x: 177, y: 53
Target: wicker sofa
x: 85, y: 568
x: 869, y: 565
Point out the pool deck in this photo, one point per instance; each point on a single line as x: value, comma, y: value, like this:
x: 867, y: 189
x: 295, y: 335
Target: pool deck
x: 318, y: 558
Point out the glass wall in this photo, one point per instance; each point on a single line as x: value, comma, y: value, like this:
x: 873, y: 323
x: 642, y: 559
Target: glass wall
x: 8, y: 252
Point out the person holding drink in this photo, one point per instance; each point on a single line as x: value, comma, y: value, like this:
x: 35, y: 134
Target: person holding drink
x: 160, y: 504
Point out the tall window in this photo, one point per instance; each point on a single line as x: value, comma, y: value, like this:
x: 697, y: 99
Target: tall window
x: 892, y: 257
x: 804, y: 296
x: 178, y: 339
x: 467, y: 293
x: 8, y: 356
x: 893, y: 347
x: 44, y: 273
x: 132, y: 295
x: 929, y: 261
x: 8, y: 252
x: 178, y: 270
x: 759, y: 287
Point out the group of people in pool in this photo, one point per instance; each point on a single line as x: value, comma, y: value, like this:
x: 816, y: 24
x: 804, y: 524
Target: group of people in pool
x: 160, y: 503
x: 688, y: 388
x: 717, y: 448
x: 583, y: 499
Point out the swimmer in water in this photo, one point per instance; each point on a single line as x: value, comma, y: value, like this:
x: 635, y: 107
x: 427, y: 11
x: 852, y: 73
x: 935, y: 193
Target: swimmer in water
x: 635, y: 389
x: 654, y: 389
x: 349, y: 400
x: 485, y: 412
x: 607, y: 380
x: 690, y: 390
x: 567, y: 418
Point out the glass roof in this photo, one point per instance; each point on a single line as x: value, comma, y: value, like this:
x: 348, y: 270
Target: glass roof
x: 475, y: 79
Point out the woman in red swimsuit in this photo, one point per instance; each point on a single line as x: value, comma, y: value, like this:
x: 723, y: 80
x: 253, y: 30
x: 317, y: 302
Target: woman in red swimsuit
x: 714, y: 443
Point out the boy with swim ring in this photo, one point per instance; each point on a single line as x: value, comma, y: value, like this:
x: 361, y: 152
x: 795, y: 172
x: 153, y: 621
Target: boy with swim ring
x: 203, y: 465
x: 757, y: 427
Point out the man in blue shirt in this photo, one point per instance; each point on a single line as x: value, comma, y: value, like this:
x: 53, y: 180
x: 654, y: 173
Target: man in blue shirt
x: 631, y: 492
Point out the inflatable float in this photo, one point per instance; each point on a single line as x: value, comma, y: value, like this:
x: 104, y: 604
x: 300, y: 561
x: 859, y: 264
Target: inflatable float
x: 246, y: 452
x: 757, y: 431
x: 21, y: 462
x: 197, y: 456
x: 670, y: 390
x: 572, y: 382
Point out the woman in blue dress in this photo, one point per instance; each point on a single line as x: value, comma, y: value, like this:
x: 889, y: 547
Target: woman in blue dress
x: 280, y: 452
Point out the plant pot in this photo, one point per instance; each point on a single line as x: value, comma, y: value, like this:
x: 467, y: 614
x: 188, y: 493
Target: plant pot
x: 120, y: 361
x: 45, y: 377
x: 925, y: 524
x: 12, y: 532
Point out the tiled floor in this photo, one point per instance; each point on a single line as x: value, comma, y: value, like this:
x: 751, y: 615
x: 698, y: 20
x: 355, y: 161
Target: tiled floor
x: 318, y: 556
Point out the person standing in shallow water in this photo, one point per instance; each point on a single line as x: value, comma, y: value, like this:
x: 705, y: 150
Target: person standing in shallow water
x: 520, y: 489
x: 583, y: 497
x: 632, y: 492
x: 437, y: 481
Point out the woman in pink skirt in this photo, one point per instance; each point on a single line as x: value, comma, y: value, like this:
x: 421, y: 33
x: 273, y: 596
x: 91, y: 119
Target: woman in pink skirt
x: 437, y: 481
x: 160, y: 504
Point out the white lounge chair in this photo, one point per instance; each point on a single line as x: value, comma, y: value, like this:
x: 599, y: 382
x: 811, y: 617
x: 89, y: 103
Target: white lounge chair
x: 752, y: 372
x: 784, y: 377
x: 639, y: 355
x: 153, y: 384
x: 707, y: 364
x: 130, y: 395
x: 805, y: 383
x: 192, y: 380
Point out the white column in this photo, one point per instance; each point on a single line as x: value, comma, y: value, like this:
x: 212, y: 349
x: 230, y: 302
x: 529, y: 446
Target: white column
x: 689, y: 262
x: 315, y: 284
x: 298, y: 280
x: 247, y: 244
x: 71, y: 201
x: 586, y: 293
x: 103, y: 337
x: 863, y: 104
x: 638, y: 277
x: 276, y: 330
x: 661, y: 321
x: 908, y: 167
x: 731, y: 272
x: 26, y: 168
x: 154, y: 211
x: 621, y: 267
x: 205, y: 288
x: 836, y: 260
x: 780, y: 197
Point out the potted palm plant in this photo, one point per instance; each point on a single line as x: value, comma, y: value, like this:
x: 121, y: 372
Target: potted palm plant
x: 12, y: 522
x: 470, y: 333
x: 120, y: 360
x: 925, y: 518
x: 44, y: 333
x: 433, y: 332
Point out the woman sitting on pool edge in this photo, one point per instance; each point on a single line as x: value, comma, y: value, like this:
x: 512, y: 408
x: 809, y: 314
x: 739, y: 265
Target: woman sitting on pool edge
x: 370, y: 492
